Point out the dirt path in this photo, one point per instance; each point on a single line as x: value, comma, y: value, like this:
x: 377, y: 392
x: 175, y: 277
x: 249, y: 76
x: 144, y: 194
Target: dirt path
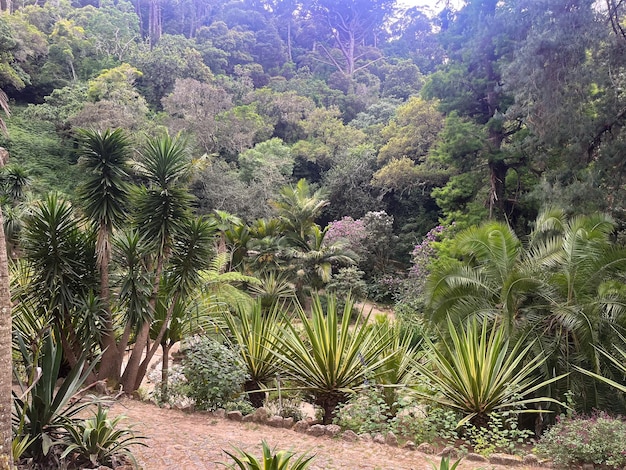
x: 184, y: 441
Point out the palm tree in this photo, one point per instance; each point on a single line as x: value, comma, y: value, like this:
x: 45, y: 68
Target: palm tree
x: 105, y: 158
x: 298, y: 209
x: 311, y: 260
x: 62, y: 256
x: 560, y: 288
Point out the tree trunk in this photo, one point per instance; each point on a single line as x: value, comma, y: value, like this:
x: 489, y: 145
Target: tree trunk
x: 130, y: 379
x: 111, y: 362
x: 6, y: 372
x: 165, y: 371
x: 256, y: 398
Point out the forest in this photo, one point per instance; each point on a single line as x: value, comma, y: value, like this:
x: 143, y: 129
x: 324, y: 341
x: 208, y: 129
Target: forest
x: 176, y: 167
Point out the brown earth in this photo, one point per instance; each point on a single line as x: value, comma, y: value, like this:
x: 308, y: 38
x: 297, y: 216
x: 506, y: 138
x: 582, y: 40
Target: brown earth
x: 195, y: 441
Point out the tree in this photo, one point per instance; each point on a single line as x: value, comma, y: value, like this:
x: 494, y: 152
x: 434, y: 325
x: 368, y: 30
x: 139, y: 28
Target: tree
x: 105, y: 194
x: 351, y: 25
x: 193, y: 106
x: 162, y: 214
x: 469, y: 85
x: 560, y: 288
x: 6, y: 340
x: 298, y: 209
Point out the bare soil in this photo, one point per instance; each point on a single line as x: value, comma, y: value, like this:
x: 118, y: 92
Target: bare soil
x: 195, y: 441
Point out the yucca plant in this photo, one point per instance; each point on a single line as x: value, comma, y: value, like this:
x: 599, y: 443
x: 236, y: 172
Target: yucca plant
x: 252, y: 333
x: 331, y: 359
x: 280, y: 460
x: 98, y: 440
x: 476, y: 371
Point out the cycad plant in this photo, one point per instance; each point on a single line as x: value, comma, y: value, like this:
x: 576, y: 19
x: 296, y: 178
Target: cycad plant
x: 475, y: 370
x: 280, y: 460
x: 329, y: 358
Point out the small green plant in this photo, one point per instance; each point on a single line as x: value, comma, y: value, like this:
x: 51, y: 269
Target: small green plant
x: 597, y: 439
x: 214, y: 373
x: 240, y: 404
x: 366, y: 412
x: 425, y: 423
x: 445, y: 464
x: 98, y: 440
x: 501, y: 434
x: 271, y: 460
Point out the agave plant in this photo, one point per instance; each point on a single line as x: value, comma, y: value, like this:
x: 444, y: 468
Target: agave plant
x: 98, y: 440
x: 252, y: 333
x: 280, y: 460
x: 476, y: 372
x: 331, y: 359
x: 42, y: 410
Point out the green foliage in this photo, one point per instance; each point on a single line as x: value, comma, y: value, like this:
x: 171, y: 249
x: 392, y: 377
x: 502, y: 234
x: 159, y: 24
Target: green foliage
x: 597, y: 440
x: 41, y: 410
x: 346, y: 283
x: 271, y: 460
x: 330, y: 359
x: 44, y: 158
x: 214, y: 373
x: 445, y: 464
x: 98, y: 440
x: 252, y: 333
x: 365, y: 412
x: 501, y: 434
x: 425, y: 423
x: 476, y: 372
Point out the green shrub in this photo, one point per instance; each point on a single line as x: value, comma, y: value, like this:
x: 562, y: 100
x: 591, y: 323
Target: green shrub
x: 271, y: 460
x: 598, y: 439
x: 214, y: 373
x: 425, y: 423
x: 364, y: 412
x: 98, y: 440
x: 240, y: 404
x: 501, y: 434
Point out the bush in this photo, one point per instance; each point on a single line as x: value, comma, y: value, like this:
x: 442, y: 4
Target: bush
x: 598, y: 439
x: 214, y: 373
x: 501, y: 434
x: 98, y: 440
x: 365, y: 412
x: 425, y: 423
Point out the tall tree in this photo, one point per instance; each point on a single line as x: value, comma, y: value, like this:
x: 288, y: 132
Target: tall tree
x: 162, y: 214
x: 6, y: 342
x: 355, y: 27
x: 470, y: 84
x: 105, y: 157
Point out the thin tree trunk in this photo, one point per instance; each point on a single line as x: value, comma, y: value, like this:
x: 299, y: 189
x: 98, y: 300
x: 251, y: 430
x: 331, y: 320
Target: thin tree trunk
x: 6, y: 368
x: 165, y: 371
x: 130, y: 376
x: 143, y: 367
